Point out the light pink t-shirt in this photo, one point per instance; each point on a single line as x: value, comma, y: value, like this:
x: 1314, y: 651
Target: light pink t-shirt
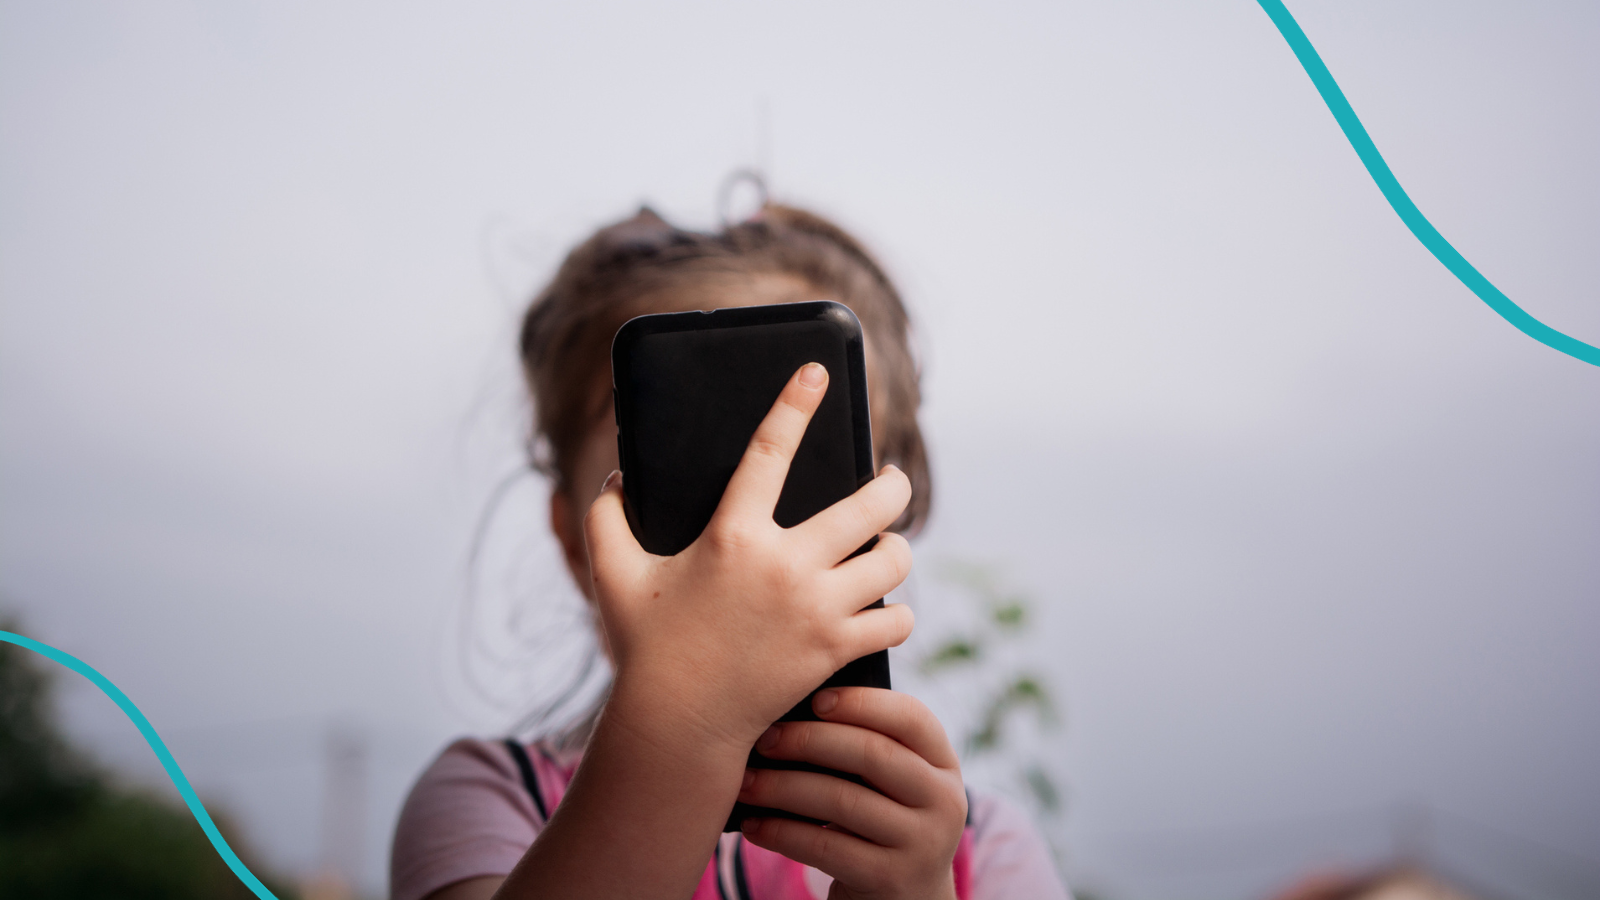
x: 470, y: 815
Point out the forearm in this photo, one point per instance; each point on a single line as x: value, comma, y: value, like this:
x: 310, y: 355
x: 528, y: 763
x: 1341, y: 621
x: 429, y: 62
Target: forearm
x: 642, y: 814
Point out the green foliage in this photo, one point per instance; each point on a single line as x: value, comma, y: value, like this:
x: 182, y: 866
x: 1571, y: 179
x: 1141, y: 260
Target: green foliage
x: 41, y: 778
x: 125, y: 845
x: 951, y: 653
x: 67, y: 831
x: 1011, y: 613
x: 1024, y: 691
x: 1043, y: 788
x: 985, y: 650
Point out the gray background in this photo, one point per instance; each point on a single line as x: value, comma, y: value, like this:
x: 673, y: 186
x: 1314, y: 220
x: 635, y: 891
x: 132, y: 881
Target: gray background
x: 1312, y: 531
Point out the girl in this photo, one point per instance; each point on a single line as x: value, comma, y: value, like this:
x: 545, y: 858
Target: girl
x: 711, y: 646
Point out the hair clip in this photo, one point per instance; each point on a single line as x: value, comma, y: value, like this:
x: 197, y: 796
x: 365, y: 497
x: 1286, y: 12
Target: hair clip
x: 730, y: 186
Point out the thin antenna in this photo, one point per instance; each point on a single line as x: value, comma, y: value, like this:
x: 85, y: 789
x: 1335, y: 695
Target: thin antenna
x: 344, y: 813
x: 763, y: 161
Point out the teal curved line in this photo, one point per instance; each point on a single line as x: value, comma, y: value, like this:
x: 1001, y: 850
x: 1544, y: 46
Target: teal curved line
x: 1408, y: 212
x: 156, y: 744
x: 1354, y: 131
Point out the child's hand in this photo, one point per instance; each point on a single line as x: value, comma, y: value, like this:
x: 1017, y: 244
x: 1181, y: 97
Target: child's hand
x: 728, y: 635
x: 894, y: 842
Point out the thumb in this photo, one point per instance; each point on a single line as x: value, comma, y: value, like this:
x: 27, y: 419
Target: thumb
x: 615, y: 556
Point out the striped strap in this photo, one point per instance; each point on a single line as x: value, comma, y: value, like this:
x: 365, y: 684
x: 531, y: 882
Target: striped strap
x: 732, y: 883
x: 529, y: 779
x: 729, y: 860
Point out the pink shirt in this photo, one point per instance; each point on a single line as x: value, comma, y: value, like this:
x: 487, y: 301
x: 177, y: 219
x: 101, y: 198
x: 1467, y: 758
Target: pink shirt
x: 470, y: 815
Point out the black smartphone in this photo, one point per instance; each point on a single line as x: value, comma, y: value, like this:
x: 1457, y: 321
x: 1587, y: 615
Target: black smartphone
x: 690, y: 389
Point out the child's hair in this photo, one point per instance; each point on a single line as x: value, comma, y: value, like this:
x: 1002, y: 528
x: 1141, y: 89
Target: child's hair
x: 644, y: 265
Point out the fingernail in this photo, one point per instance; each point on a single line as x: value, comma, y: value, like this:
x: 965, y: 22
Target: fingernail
x: 825, y: 702
x: 749, y: 779
x: 768, y: 738
x: 887, y: 467
x: 611, y: 480
x: 813, y: 375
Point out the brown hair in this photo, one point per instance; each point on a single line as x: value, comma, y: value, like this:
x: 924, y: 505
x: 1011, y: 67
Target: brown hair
x: 644, y: 265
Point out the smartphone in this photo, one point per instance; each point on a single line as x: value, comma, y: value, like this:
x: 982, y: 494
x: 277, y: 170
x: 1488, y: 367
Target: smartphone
x: 690, y: 389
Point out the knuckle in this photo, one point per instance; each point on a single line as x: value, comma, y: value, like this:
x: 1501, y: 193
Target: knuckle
x: 836, y: 648
x: 593, y: 516
x: 760, y: 786
x: 766, y: 445
x: 845, y: 800
x: 796, y: 740
x: 821, y: 630
x: 826, y: 842
x: 812, y: 625
x: 730, y: 533
x: 791, y: 575
x: 882, y: 879
x: 845, y: 644
x: 865, y: 514
x: 878, y: 756
x: 895, y: 566
x: 905, y: 621
x: 950, y: 804
x: 900, y: 549
x: 850, y: 703
x: 914, y: 710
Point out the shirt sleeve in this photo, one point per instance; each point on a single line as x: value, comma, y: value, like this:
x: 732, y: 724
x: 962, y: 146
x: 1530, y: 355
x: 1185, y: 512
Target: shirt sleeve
x: 1010, y: 860
x: 467, y: 816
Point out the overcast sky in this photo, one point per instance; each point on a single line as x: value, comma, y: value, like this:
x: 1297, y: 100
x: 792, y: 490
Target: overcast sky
x: 1313, y: 532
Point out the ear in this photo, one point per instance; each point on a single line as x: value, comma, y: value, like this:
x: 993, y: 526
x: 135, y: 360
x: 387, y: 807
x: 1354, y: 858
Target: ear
x: 568, y: 529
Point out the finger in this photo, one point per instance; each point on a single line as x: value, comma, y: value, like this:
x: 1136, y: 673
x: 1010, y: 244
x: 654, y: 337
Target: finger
x: 900, y: 716
x: 754, y: 488
x: 848, y: 858
x: 871, y: 630
x: 857, y: 582
x: 837, y: 531
x: 844, y: 803
x: 851, y: 861
x: 888, y: 765
x: 614, y: 553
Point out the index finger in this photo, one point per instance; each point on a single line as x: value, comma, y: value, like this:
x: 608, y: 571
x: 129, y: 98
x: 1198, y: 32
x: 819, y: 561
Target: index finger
x: 754, y: 488
x: 900, y: 716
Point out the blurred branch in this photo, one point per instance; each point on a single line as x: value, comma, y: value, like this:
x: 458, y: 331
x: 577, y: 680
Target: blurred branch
x: 1025, y: 691
x: 985, y: 652
x: 1043, y: 787
x: 954, y: 652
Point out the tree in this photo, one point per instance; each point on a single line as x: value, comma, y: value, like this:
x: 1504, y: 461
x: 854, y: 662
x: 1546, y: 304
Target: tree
x: 68, y: 831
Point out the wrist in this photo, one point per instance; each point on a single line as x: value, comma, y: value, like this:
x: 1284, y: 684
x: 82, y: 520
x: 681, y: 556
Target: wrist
x: 642, y: 814
x: 659, y: 711
x: 941, y: 887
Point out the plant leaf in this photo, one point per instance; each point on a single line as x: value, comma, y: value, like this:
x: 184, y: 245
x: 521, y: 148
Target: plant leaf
x: 1012, y: 613
x: 1043, y: 788
x: 954, y: 652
